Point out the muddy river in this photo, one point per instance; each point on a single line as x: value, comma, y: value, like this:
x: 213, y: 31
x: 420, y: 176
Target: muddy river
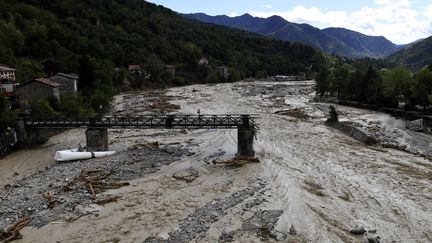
x: 325, y: 182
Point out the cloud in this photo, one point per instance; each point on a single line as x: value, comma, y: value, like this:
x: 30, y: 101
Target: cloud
x: 266, y: 6
x: 394, y: 19
x: 233, y: 14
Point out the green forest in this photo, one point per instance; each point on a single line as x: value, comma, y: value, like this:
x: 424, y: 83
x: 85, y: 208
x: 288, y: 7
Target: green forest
x: 97, y: 39
x: 371, y: 83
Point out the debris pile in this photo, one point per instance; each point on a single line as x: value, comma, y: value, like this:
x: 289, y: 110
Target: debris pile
x: 195, y: 226
x: 162, y: 105
x: 59, y: 191
x: 296, y: 113
x: 237, y: 161
x: 12, y: 232
x: 94, y: 181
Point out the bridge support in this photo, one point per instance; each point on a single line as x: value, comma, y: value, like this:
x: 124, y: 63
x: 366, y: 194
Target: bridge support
x: 97, y: 139
x: 245, y: 138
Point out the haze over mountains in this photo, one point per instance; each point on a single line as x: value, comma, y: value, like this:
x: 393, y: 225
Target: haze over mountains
x: 337, y: 41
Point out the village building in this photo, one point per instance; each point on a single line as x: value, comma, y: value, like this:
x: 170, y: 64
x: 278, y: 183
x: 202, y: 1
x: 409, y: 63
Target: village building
x: 68, y: 82
x: 7, y: 87
x: 37, y: 89
x: 7, y: 73
x: 203, y: 61
x: 138, y: 71
x: 134, y: 69
x: 7, y: 80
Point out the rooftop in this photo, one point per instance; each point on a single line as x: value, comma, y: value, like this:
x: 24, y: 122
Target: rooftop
x: 47, y: 82
x: 134, y: 67
x: 70, y: 75
x: 5, y: 68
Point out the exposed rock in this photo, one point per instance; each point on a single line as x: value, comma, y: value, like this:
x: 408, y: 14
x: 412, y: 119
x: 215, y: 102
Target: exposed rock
x: 188, y: 174
x: 372, y: 239
x: 265, y: 219
x: 196, y: 225
x: 279, y: 236
x: 359, y: 230
x: 292, y: 230
x: 228, y: 234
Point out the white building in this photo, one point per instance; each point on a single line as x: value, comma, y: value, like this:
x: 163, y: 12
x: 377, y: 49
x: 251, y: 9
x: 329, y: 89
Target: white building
x: 7, y: 73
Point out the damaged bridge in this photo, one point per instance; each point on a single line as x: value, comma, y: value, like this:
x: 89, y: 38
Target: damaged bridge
x: 97, y: 127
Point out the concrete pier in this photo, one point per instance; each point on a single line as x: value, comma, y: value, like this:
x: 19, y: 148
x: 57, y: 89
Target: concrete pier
x: 245, y: 138
x: 97, y: 139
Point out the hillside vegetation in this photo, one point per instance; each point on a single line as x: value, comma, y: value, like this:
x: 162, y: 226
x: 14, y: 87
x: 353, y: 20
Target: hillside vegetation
x: 93, y: 37
x: 415, y: 56
x: 337, y: 41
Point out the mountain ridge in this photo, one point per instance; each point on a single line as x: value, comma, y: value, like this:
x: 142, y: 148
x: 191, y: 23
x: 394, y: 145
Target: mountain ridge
x: 415, y: 55
x: 339, y: 41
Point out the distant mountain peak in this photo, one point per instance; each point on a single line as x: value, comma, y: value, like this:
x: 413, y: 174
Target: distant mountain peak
x: 336, y: 40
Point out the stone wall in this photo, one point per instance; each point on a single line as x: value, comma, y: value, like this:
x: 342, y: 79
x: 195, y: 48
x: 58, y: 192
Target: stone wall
x: 355, y: 132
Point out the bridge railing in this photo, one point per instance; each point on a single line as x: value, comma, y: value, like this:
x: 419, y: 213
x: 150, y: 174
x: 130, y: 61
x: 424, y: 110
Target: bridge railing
x: 146, y: 121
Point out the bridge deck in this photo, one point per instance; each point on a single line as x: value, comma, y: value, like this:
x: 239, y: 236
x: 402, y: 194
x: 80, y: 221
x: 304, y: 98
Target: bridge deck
x: 146, y: 122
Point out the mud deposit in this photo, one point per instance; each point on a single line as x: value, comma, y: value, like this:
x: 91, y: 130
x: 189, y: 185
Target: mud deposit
x: 313, y: 184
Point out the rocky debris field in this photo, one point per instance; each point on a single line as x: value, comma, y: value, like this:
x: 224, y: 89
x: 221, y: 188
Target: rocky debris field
x: 260, y: 225
x: 49, y: 195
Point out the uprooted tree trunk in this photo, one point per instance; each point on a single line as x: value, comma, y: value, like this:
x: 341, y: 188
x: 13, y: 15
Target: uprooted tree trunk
x: 12, y: 232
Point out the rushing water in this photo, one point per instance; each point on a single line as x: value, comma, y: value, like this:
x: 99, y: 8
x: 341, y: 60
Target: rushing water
x: 326, y: 183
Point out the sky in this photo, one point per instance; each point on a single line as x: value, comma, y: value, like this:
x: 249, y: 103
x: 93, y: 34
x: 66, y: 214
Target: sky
x: 401, y: 22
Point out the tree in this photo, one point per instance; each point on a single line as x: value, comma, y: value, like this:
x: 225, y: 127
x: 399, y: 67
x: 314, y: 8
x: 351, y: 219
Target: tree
x: 422, y: 87
x: 87, y: 75
x: 322, y: 81
x: 339, y: 78
x: 41, y: 108
x: 397, y: 85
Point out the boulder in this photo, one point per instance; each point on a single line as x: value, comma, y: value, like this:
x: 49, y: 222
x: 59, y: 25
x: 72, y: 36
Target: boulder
x: 359, y: 230
x: 189, y: 174
x: 228, y: 234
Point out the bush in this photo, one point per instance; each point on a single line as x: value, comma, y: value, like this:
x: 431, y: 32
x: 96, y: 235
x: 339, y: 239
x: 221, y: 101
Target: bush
x: 41, y: 108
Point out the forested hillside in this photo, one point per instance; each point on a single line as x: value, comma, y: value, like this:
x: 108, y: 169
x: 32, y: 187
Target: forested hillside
x: 415, y: 56
x: 93, y: 37
x: 339, y: 41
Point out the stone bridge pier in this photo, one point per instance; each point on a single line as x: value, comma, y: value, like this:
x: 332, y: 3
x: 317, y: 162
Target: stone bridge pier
x: 97, y: 139
x: 245, y: 138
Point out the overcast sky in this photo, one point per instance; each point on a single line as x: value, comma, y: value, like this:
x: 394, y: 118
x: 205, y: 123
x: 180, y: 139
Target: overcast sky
x: 402, y: 21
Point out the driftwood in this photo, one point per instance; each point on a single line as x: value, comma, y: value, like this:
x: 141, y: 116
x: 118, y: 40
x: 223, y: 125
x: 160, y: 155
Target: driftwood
x: 104, y: 201
x: 237, y: 161
x: 90, y: 188
x: 93, y: 180
x: 7, y: 194
x: 52, y: 201
x: 12, y: 232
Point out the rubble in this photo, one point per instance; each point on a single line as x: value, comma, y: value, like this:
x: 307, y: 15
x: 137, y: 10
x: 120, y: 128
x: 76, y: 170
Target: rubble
x: 196, y: 225
x: 228, y: 234
x: 56, y: 192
